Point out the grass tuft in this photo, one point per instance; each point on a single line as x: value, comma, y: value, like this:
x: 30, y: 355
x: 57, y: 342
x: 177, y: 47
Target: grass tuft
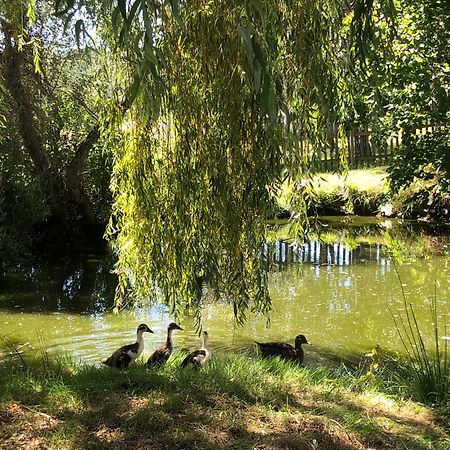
x: 429, y: 368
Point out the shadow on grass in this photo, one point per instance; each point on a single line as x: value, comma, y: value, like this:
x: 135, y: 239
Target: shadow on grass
x: 235, y: 402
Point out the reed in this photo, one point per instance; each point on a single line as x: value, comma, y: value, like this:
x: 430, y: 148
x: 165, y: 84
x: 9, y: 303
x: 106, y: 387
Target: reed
x: 428, y: 366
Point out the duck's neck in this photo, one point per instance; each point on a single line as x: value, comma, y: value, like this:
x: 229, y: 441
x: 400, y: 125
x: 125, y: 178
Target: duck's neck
x: 205, y: 343
x: 169, y: 343
x: 299, y: 351
x: 140, y: 341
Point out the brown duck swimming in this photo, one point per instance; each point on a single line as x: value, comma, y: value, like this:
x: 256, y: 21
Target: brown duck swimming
x: 125, y: 355
x: 284, y: 350
x: 160, y: 356
x: 198, y: 358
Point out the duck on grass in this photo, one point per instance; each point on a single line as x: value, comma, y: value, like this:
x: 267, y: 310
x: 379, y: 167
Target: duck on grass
x: 126, y: 355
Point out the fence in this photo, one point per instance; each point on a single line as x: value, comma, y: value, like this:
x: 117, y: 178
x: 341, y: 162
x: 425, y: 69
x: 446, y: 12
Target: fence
x: 361, y: 149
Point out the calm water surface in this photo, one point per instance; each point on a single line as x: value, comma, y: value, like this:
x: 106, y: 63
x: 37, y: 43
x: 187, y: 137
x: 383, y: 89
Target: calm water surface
x: 340, y: 294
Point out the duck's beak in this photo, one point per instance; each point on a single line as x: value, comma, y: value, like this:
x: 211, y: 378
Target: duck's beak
x: 179, y: 328
x: 149, y: 331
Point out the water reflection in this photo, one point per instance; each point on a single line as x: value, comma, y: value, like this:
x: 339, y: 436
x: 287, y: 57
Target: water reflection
x: 82, y: 284
x: 338, y: 293
x: 315, y: 252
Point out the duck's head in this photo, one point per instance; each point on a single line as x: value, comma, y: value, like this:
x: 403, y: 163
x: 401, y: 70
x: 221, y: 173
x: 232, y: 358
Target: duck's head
x: 299, y: 340
x: 142, y: 328
x: 174, y: 326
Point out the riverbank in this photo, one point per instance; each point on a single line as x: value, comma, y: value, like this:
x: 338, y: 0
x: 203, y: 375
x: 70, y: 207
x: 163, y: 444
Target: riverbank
x: 365, y: 192
x: 235, y: 402
x: 360, y: 192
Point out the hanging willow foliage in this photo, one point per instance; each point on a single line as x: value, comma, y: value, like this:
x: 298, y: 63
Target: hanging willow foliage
x: 222, y: 100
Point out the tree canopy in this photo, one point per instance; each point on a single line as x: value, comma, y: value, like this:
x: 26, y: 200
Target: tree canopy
x: 212, y: 104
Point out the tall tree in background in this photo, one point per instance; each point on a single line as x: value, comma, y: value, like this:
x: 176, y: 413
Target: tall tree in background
x: 415, y: 85
x: 51, y: 126
x: 416, y: 94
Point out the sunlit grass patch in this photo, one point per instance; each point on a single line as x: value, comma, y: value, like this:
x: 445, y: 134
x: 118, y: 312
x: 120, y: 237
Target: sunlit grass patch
x: 360, y: 192
x: 364, y: 179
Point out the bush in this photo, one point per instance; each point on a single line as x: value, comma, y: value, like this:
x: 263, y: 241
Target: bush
x: 419, y: 176
x: 22, y: 206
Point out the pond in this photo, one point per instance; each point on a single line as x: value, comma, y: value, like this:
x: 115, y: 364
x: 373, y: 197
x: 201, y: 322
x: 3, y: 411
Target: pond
x: 339, y: 289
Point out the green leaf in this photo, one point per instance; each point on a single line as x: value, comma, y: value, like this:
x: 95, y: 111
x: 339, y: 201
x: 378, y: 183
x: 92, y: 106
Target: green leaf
x: 31, y: 11
x: 258, y: 52
x: 269, y: 98
x: 149, y: 54
x: 134, y: 90
x: 272, y: 104
x: 175, y: 5
x: 258, y: 6
x: 123, y: 8
x: 247, y: 42
x: 133, y: 11
x: 147, y: 22
x: 37, y: 60
x: 257, y: 74
x: 115, y: 21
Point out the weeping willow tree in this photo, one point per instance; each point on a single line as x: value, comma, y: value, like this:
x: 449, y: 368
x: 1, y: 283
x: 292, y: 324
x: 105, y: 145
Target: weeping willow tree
x: 218, y: 102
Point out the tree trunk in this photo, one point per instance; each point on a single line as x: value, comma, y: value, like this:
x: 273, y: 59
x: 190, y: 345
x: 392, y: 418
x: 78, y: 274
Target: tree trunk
x: 74, y: 184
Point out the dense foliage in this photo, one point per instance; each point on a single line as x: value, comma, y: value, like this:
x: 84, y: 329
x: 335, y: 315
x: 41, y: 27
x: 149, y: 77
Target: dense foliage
x: 205, y: 108
x: 230, y: 99
x: 54, y: 174
x: 420, y: 176
x: 417, y: 87
x: 416, y: 94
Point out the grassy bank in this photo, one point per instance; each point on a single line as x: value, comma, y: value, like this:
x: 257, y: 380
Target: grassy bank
x: 236, y: 402
x: 360, y: 192
x: 367, y: 192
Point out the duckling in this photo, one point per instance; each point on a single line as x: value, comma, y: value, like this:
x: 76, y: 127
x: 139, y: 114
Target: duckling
x: 160, y: 356
x: 283, y: 350
x: 198, y: 358
x: 125, y: 355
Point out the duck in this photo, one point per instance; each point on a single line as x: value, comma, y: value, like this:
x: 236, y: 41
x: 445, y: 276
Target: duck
x: 284, y: 350
x: 198, y: 358
x: 160, y: 356
x: 127, y: 354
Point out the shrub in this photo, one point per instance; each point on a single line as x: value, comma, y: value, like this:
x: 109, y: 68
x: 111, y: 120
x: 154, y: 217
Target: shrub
x: 419, y: 176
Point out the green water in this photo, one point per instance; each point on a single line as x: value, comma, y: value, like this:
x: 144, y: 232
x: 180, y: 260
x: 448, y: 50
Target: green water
x: 338, y: 294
